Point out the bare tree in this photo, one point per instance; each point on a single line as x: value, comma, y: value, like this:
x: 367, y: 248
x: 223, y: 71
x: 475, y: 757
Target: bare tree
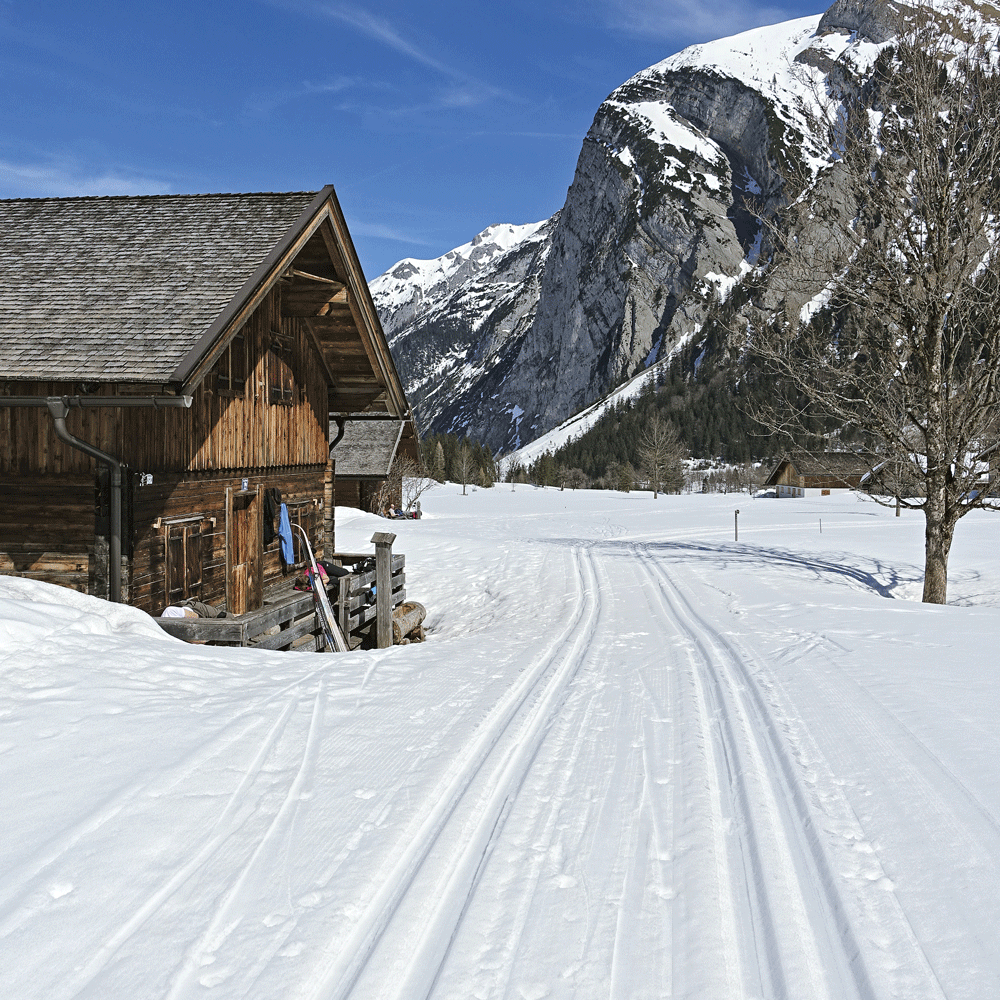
x: 662, y: 453
x: 465, y: 466
x: 507, y: 468
x: 889, y: 268
x: 404, y: 485
x: 414, y: 481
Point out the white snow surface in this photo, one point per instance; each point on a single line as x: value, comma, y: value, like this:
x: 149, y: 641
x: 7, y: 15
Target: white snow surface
x: 668, y: 130
x: 762, y: 58
x: 635, y: 759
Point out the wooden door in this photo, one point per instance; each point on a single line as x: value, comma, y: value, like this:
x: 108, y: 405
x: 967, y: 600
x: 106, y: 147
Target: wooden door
x: 182, y: 568
x: 244, y: 550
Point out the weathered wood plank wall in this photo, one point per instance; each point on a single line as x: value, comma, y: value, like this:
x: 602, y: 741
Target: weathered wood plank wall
x: 174, y: 496
x: 225, y: 428
x: 47, y: 529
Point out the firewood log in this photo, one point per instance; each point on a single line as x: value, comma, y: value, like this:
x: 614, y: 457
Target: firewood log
x: 405, y: 619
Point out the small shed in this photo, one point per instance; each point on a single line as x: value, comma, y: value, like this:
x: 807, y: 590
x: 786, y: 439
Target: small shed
x: 836, y: 470
x: 364, y: 459
x: 169, y: 365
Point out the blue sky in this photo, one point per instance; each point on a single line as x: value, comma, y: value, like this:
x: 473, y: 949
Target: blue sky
x: 432, y: 119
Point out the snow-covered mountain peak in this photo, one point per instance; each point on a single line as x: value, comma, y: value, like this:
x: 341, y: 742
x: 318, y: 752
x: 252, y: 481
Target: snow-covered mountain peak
x: 756, y: 57
x: 513, y: 333
x: 418, y: 279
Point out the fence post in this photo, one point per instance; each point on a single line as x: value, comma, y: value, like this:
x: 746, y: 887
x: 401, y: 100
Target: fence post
x: 383, y: 587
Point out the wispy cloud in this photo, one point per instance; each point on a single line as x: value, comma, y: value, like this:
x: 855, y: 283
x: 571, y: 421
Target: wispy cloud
x: 378, y: 230
x: 465, y: 90
x: 29, y: 180
x: 381, y: 30
x: 687, y: 21
x: 263, y: 105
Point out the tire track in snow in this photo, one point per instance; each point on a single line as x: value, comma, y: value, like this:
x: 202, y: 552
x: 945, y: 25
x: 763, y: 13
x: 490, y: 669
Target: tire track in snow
x: 586, y: 846
x: 781, y: 861
x: 492, y: 770
x: 229, y: 912
x: 654, y: 848
x: 519, y: 910
x: 19, y: 884
x: 633, y: 886
x: 223, y: 828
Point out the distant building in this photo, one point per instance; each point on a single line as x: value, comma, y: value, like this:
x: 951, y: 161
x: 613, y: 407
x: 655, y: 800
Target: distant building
x: 837, y: 470
x: 364, y: 457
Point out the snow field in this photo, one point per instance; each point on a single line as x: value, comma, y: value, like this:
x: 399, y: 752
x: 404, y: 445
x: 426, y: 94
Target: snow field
x: 635, y: 759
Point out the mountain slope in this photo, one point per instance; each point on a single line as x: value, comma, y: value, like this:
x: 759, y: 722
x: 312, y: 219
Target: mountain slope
x: 455, y: 322
x: 657, y: 228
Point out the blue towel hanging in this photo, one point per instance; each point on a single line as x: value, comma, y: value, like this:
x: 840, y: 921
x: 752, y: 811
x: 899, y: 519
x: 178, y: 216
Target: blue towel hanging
x: 285, y: 534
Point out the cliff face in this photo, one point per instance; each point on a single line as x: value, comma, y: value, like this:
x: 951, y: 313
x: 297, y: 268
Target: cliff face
x: 510, y: 335
x: 455, y: 325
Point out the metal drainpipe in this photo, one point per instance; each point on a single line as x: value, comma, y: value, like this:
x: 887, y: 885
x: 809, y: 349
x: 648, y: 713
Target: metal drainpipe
x: 59, y: 408
x: 341, y: 423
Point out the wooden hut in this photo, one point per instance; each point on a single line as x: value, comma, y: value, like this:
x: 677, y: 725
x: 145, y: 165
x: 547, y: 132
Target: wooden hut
x: 364, y: 460
x: 166, y: 364
x: 794, y: 474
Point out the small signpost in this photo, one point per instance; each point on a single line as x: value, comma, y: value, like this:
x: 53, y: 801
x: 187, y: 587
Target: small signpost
x: 736, y: 525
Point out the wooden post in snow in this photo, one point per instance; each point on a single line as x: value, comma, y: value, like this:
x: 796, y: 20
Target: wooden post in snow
x: 383, y: 587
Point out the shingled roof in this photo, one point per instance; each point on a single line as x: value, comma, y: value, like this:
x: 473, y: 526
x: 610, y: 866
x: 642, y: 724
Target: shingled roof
x: 847, y: 465
x: 367, y: 448
x: 107, y: 289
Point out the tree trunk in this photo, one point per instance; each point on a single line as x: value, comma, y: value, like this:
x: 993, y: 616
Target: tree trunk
x: 938, y: 534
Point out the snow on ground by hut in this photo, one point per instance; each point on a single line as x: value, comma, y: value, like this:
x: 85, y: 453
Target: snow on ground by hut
x: 634, y: 759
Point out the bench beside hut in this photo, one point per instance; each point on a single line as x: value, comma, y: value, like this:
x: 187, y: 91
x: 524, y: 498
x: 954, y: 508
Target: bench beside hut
x: 165, y: 362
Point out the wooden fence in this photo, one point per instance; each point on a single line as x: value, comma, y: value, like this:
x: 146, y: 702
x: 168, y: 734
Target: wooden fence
x: 288, y: 621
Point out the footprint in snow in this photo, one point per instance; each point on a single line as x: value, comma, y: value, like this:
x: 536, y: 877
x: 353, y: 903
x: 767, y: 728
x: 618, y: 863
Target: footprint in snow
x: 534, y: 992
x: 215, y: 978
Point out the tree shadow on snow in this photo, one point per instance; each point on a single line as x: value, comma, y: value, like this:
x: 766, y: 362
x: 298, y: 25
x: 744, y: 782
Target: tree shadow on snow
x: 881, y: 578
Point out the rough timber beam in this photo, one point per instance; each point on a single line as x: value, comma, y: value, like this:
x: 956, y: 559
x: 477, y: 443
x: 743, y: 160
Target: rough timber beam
x: 307, y: 299
x: 296, y: 273
x: 365, y: 315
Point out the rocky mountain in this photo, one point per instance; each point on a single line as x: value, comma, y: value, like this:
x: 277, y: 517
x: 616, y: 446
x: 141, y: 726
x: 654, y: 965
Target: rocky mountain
x: 511, y: 334
x: 455, y: 324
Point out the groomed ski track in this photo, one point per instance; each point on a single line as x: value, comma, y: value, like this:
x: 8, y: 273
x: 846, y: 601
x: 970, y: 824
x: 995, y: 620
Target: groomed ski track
x: 606, y: 776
